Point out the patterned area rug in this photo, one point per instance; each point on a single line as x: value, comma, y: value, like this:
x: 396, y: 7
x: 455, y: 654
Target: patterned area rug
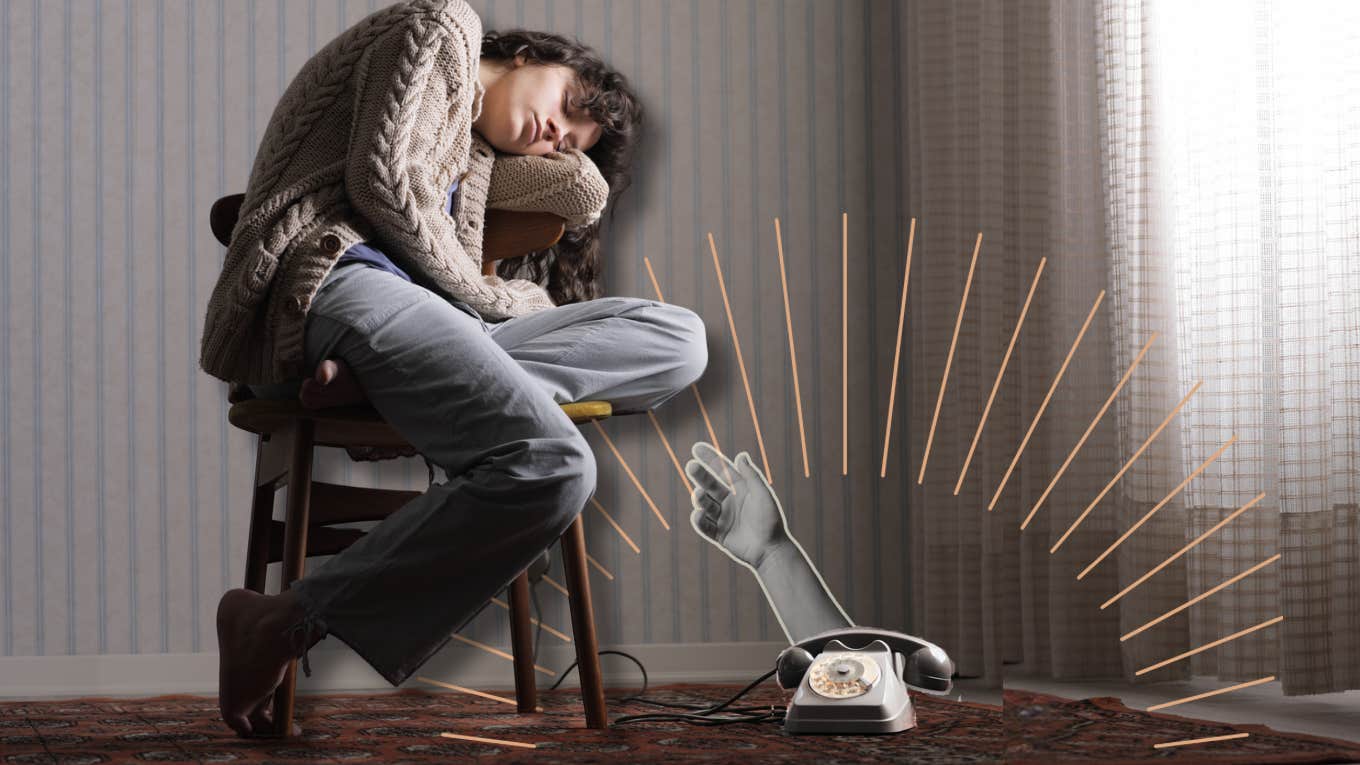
x: 404, y: 727
x: 1044, y: 729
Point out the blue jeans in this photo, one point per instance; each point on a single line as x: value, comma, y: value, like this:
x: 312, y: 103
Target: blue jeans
x: 479, y: 399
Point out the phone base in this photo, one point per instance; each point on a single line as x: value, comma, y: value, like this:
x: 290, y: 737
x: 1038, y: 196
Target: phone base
x: 806, y: 723
x: 852, y: 691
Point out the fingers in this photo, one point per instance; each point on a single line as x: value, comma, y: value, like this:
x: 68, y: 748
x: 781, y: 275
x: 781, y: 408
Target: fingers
x: 705, y: 479
x: 703, y: 524
x: 748, y: 468
x: 716, y: 461
x: 710, y: 509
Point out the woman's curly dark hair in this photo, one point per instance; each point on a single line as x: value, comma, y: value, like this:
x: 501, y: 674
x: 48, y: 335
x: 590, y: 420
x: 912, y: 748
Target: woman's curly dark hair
x: 573, y: 265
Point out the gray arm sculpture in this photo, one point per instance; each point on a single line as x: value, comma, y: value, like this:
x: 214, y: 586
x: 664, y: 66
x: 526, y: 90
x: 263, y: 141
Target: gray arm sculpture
x: 737, y: 511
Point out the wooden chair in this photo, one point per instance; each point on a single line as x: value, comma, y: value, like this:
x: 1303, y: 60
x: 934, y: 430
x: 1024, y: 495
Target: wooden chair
x: 288, y: 433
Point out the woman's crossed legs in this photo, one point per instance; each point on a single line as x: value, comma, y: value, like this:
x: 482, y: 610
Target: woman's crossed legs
x: 481, y: 401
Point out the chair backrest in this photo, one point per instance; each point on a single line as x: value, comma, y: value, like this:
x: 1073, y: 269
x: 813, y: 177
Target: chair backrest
x: 222, y: 216
x: 506, y: 234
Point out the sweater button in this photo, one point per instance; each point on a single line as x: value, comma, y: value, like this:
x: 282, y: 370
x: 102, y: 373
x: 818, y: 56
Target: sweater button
x: 330, y: 243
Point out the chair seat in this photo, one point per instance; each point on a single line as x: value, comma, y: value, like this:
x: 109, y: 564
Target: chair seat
x: 346, y: 426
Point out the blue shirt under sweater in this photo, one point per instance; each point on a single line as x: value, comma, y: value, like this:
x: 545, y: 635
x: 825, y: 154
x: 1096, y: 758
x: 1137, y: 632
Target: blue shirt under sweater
x: 375, y: 258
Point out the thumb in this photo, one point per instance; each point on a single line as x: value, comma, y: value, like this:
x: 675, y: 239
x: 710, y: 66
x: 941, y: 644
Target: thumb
x: 326, y: 371
x: 748, y: 468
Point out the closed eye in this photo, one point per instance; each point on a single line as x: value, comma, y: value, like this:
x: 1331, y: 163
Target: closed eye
x: 566, y: 115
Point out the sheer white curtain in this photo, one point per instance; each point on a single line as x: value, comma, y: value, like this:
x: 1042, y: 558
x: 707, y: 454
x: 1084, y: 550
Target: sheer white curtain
x: 1201, y: 163
x: 1003, y: 139
x: 1232, y: 175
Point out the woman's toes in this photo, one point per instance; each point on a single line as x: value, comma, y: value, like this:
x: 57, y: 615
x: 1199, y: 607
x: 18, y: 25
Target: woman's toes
x: 262, y: 717
x: 250, y: 665
x: 239, y: 724
x: 262, y: 721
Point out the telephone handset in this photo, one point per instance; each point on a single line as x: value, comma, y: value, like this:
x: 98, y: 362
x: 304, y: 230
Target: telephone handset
x: 855, y: 680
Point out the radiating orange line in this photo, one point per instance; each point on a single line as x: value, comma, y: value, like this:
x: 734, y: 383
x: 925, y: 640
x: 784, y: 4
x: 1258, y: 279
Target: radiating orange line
x: 615, y: 524
x: 732, y: 324
x: 949, y: 360
x: 1202, y: 596
x: 532, y: 620
x: 556, y: 585
x: 1146, y: 443
x: 629, y: 471
x: 1187, y: 742
x: 1044, y: 405
x: 996, y: 384
x: 1113, y: 394
x: 1207, y: 646
x: 708, y: 424
x: 591, y: 560
x: 656, y: 424
x: 499, y: 652
x: 845, y: 346
x: 482, y: 740
x: 793, y: 352
x: 1182, y: 551
x: 897, y: 353
x: 652, y: 274
x: 1207, y: 694
x: 461, y: 689
x: 1156, y: 507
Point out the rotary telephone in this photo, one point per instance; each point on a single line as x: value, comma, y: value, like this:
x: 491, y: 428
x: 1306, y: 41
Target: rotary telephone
x: 855, y: 680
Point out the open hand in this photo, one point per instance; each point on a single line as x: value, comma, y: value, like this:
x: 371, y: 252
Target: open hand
x: 734, y: 506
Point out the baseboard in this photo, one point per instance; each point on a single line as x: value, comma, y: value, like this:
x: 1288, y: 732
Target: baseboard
x: 337, y: 668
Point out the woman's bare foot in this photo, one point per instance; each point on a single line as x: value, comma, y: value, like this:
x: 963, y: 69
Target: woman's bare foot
x: 334, y: 384
x: 253, y: 656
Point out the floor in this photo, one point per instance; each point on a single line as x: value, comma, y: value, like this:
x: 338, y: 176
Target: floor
x: 1333, y: 715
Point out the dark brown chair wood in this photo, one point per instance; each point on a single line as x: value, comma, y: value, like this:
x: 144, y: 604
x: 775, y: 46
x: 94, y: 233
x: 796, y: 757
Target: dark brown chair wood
x: 288, y: 434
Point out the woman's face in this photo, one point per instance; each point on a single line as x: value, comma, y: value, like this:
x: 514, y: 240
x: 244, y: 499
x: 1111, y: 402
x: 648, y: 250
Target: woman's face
x: 526, y: 109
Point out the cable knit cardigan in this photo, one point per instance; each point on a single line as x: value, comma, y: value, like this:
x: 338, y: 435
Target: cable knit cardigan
x: 362, y: 146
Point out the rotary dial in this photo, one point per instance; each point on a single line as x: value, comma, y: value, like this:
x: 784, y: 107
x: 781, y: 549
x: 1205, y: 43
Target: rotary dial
x: 843, y: 675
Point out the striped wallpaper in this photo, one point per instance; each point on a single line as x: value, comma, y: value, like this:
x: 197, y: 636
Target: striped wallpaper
x: 124, y: 493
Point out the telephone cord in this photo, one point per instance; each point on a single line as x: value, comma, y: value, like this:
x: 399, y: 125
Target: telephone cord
x: 700, y: 714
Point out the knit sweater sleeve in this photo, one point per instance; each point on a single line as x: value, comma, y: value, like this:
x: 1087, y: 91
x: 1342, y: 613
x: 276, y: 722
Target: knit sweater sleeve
x: 564, y: 183
x: 390, y: 177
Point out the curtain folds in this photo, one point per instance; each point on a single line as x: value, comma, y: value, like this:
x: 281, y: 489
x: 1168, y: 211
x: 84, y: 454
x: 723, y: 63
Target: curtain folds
x: 1205, y: 190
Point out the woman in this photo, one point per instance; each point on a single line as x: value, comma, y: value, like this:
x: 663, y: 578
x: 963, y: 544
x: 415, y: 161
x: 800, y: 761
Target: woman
x: 385, y: 274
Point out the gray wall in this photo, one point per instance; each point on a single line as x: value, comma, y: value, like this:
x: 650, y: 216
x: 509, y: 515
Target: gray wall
x: 125, y: 492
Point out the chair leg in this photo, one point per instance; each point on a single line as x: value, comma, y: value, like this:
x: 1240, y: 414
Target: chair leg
x: 261, y: 517
x: 271, y: 464
x: 522, y: 644
x: 294, y: 554
x: 583, y: 624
